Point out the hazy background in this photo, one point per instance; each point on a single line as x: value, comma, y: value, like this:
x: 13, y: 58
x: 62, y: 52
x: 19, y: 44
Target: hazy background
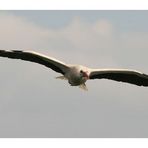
x: 34, y: 104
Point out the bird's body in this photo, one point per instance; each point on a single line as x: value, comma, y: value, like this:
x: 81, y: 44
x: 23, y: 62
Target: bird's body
x: 77, y: 75
x: 74, y: 77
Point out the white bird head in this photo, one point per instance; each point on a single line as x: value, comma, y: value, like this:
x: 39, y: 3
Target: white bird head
x: 84, y: 74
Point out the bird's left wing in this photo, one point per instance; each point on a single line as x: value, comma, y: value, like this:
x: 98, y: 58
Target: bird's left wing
x: 32, y: 56
x: 123, y: 75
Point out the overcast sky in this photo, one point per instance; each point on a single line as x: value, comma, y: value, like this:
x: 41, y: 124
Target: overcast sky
x: 34, y: 104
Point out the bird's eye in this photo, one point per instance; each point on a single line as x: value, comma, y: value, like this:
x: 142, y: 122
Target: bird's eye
x: 81, y: 71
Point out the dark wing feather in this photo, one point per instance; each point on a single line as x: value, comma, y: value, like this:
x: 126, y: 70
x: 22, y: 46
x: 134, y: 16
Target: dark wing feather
x: 128, y: 76
x: 37, y: 58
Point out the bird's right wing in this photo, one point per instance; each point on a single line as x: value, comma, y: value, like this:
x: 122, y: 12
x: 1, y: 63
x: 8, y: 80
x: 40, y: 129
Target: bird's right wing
x: 31, y: 56
x: 123, y: 75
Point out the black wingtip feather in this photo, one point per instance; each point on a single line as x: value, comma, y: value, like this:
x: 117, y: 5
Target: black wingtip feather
x: 17, y: 51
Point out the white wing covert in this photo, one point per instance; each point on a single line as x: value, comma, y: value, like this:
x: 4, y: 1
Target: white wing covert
x: 31, y: 56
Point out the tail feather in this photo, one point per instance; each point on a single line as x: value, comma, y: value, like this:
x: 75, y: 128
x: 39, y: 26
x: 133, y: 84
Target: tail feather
x: 83, y: 86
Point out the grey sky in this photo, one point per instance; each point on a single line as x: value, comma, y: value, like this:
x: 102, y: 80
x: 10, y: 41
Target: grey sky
x: 34, y: 104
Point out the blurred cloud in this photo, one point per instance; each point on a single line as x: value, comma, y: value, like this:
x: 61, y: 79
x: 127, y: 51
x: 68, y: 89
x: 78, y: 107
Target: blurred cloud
x: 78, y: 35
x: 75, y: 38
x: 18, y: 33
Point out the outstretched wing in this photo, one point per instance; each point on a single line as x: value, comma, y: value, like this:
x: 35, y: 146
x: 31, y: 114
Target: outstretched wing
x: 31, y: 56
x: 123, y: 75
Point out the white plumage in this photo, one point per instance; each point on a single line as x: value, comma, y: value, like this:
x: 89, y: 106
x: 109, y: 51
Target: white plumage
x: 77, y: 75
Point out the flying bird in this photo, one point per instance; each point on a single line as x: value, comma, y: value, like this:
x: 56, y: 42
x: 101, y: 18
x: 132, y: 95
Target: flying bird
x: 77, y: 75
